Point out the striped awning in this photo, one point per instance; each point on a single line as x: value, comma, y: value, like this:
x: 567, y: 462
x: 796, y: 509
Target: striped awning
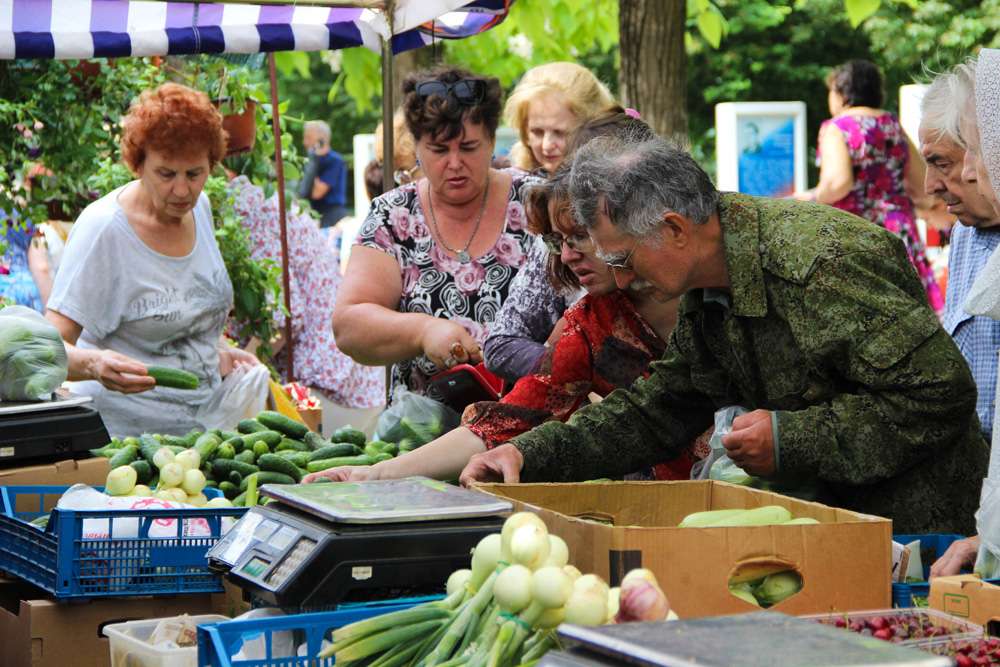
x: 63, y: 29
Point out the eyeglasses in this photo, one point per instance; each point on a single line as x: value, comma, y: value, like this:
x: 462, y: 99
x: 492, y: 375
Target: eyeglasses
x: 467, y: 91
x: 624, y: 266
x: 578, y: 241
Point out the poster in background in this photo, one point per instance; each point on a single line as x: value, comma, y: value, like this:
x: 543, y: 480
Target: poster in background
x: 761, y: 147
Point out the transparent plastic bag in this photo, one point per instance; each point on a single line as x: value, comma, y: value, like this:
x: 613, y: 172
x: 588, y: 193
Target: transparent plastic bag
x: 243, y: 393
x: 414, y: 418
x: 33, y: 359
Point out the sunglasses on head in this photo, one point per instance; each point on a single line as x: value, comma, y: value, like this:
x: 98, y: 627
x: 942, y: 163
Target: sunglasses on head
x: 467, y: 91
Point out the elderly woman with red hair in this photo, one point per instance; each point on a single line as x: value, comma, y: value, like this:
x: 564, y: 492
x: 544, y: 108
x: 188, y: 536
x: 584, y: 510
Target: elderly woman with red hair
x: 142, y: 281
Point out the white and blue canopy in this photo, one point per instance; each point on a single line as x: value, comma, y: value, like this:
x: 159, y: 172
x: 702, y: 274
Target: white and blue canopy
x: 63, y: 29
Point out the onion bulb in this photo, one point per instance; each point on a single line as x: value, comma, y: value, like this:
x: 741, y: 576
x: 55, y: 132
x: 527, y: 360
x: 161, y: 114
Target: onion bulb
x: 551, y: 587
x: 530, y: 546
x: 510, y: 526
x: 457, y: 580
x: 588, y: 605
x: 641, y: 600
x: 484, y: 559
x: 512, y: 589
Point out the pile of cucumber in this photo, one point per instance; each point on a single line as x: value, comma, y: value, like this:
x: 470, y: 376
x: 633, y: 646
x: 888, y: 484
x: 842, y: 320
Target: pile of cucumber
x: 269, y: 449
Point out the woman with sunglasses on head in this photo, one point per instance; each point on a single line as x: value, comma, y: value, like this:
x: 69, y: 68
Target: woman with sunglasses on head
x: 611, y: 337
x: 435, y: 257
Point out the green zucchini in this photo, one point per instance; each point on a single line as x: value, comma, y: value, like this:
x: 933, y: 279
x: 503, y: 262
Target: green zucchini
x: 172, y: 377
x: 279, y: 422
x: 333, y: 451
x: 275, y: 463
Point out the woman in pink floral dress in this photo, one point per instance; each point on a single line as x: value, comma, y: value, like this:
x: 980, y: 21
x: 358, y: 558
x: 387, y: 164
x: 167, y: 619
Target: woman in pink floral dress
x: 869, y: 167
x: 314, y: 279
x: 433, y: 261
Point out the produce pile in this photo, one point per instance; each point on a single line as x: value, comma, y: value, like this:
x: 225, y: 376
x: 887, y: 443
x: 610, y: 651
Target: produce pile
x: 501, y: 612
x: 269, y: 449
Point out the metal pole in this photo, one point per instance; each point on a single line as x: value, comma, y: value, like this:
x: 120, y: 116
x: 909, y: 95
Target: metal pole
x: 276, y: 128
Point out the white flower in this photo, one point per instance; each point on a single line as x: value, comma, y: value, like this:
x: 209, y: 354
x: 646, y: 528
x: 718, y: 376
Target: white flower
x: 520, y: 46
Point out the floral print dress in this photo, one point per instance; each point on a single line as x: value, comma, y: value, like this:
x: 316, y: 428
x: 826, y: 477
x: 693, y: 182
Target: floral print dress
x: 879, y: 154
x: 435, y: 283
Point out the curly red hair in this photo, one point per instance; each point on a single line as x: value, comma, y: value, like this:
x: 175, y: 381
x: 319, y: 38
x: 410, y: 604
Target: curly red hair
x: 172, y: 119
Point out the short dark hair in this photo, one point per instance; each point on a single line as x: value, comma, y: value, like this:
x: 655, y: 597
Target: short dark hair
x: 444, y: 118
x: 859, y: 82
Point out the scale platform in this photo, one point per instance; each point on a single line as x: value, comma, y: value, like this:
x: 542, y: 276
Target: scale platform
x: 758, y: 639
x: 324, y: 544
x: 41, y: 431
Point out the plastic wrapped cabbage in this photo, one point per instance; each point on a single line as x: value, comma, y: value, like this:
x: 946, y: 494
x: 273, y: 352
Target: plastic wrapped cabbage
x: 33, y: 359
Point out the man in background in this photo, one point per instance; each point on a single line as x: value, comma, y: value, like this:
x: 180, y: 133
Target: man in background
x: 972, y: 243
x: 324, y: 181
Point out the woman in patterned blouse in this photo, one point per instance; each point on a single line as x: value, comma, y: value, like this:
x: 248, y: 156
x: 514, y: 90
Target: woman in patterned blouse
x: 610, y: 338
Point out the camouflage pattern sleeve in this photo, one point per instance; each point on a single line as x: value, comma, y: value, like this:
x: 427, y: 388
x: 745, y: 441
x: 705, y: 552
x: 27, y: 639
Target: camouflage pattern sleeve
x: 905, y: 394
x: 629, y: 430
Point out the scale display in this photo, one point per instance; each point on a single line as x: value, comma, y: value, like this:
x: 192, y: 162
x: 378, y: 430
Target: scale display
x: 758, y: 639
x: 322, y: 545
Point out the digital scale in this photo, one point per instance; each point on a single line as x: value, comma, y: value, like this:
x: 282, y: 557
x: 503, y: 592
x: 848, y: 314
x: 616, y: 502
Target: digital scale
x: 323, y: 544
x: 758, y: 639
x: 63, y: 427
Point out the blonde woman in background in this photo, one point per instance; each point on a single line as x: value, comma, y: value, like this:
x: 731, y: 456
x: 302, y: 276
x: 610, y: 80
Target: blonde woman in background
x: 547, y: 105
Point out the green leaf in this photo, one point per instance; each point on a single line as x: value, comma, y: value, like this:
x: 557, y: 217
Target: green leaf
x: 859, y: 10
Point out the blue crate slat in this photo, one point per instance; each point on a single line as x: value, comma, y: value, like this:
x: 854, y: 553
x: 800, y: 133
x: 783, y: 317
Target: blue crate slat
x: 218, y: 642
x: 69, y: 566
x: 902, y: 593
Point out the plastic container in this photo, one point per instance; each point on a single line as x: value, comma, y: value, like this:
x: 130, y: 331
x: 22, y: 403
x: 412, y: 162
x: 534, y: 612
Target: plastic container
x: 129, y: 647
x: 959, y: 629
x: 66, y: 565
x: 219, y: 643
x: 903, y: 594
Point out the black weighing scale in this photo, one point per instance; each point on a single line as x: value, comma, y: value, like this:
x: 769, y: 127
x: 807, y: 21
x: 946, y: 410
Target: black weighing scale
x: 324, y: 544
x: 40, y: 431
x: 758, y: 639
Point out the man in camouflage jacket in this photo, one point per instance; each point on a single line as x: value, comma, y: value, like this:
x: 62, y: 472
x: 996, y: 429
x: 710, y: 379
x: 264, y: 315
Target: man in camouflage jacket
x: 809, y: 317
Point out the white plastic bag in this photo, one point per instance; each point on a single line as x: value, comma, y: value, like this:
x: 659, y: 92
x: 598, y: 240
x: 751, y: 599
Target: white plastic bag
x: 33, y: 359
x: 243, y: 393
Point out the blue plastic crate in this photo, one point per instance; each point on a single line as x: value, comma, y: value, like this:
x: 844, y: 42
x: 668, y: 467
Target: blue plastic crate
x: 218, y: 643
x: 62, y: 562
x: 903, y: 594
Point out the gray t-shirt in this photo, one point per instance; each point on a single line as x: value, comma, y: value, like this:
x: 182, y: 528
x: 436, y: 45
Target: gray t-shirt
x: 161, y: 310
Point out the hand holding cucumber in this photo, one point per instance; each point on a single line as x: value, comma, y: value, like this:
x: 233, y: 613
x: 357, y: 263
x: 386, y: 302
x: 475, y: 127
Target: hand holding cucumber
x: 750, y: 443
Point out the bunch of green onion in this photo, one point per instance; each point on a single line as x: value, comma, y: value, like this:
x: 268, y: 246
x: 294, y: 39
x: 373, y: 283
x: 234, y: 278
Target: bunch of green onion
x: 498, y: 614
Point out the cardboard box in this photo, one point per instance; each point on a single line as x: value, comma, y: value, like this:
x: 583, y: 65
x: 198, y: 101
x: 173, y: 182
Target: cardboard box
x: 968, y: 597
x: 39, y: 631
x: 93, y: 472
x: 845, y: 561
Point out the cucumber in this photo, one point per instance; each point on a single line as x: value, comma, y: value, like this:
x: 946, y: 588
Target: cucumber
x: 333, y: 451
x: 206, y: 446
x: 260, y: 448
x: 294, y: 445
x: 175, y: 441
x: 229, y: 490
x: 143, y: 471
x: 279, y: 422
x: 172, y: 377
x: 148, y: 446
x: 324, y: 464
x: 237, y: 442
x: 266, y: 477
x: 246, y: 456
x: 250, y: 426
x: 275, y: 463
x: 222, y: 467
x: 124, y: 456
x: 315, y: 440
x: 351, y: 435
